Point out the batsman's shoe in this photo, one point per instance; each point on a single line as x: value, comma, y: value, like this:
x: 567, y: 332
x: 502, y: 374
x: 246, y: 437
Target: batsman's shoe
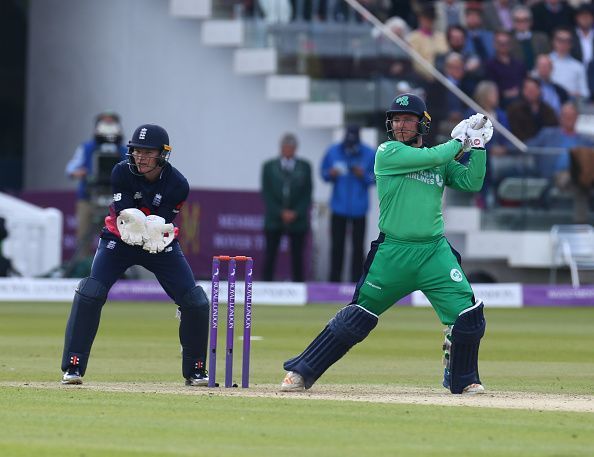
x: 293, y: 382
x: 473, y: 389
x: 72, y: 376
x: 200, y: 379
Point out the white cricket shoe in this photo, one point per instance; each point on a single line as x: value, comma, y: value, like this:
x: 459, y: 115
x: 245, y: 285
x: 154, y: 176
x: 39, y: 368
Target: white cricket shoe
x: 72, y: 376
x: 293, y: 382
x: 473, y: 389
x: 200, y: 379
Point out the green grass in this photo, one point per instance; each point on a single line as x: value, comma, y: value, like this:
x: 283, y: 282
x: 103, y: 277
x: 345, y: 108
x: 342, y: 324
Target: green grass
x: 534, y: 350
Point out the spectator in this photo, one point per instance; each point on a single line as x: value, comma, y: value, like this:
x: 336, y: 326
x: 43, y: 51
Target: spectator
x: 568, y: 72
x: 91, y: 165
x: 427, y: 41
x: 456, y: 38
x: 486, y: 95
x: 557, y: 167
x: 497, y: 15
x: 528, y: 115
x: 550, y: 14
x: 551, y: 92
x: 527, y: 44
x: 507, y: 72
x: 583, y: 35
x: 348, y: 165
x: 448, y: 13
x: 451, y: 109
x: 286, y: 190
x: 479, y: 40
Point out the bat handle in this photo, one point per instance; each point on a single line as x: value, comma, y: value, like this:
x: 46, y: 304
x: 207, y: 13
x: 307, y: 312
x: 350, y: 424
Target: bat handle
x: 481, y: 123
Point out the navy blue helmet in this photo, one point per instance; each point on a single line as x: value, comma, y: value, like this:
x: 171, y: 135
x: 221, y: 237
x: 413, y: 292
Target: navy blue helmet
x: 412, y: 104
x: 149, y: 136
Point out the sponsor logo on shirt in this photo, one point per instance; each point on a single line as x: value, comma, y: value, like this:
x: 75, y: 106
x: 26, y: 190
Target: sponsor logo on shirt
x: 427, y: 177
x: 157, y: 199
x: 138, y: 196
x: 117, y: 197
x: 370, y: 284
x: 111, y: 245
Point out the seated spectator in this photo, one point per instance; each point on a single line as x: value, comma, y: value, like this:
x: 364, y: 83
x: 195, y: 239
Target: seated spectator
x: 567, y: 71
x: 480, y: 41
x: 557, y: 167
x: 486, y: 95
x: 427, y: 41
x: 583, y: 34
x: 456, y: 39
x: 507, y: 72
x: 527, y: 44
x: 497, y: 15
x: 528, y: 115
x: 448, y: 13
x: 449, y: 108
x: 551, y: 92
x: 549, y: 14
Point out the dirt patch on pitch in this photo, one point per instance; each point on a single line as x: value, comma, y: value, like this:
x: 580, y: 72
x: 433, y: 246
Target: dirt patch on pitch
x: 368, y: 393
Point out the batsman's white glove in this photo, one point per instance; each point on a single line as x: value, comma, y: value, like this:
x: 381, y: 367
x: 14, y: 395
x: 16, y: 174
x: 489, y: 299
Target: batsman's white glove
x: 159, y: 235
x: 473, y: 132
x: 131, y: 225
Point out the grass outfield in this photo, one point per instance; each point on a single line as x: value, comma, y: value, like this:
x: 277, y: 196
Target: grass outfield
x: 537, y: 351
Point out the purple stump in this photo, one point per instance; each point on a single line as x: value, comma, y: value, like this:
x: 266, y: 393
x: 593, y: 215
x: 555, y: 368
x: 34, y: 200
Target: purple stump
x: 214, y: 323
x: 230, y: 323
x: 247, y: 324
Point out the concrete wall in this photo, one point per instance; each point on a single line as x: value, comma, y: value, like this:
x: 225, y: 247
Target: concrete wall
x: 131, y: 56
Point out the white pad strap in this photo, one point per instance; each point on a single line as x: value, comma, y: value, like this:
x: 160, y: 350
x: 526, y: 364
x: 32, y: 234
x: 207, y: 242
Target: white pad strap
x: 131, y: 225
x: 159, y: 235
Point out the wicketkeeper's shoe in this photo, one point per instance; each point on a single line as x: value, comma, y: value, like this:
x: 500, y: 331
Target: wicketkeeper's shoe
x: 72, y: 376
x: 473, y: 389
x: 200, y: 379
x: 293, y: 382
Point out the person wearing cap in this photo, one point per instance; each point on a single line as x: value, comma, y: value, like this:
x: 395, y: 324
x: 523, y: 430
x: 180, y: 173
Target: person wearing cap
x: 107, y: 136
x: 286, y: 191
x: 148, y: 193
x: 348, y: 166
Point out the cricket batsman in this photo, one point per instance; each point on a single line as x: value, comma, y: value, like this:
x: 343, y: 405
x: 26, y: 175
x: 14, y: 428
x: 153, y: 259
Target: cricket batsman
x: 411, y: 252
x: 148, y: 193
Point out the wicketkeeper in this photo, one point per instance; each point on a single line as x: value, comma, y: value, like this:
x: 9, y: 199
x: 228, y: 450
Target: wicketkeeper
x: 148, y: 193
x: 411, y: 252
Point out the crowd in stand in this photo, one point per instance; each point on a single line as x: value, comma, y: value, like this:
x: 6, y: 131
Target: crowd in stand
x: 524, y: 62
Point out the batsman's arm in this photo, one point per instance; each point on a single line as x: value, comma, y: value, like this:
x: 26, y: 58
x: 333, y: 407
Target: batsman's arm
x: 468, y: 178
x: 394, y: 158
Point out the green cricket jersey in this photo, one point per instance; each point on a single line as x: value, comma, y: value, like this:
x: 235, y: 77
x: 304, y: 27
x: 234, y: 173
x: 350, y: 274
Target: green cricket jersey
x: 410, y: 185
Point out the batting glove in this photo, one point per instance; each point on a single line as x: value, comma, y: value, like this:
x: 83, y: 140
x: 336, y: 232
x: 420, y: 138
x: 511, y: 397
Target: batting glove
x: 159, y: 235
x: 131, y: 225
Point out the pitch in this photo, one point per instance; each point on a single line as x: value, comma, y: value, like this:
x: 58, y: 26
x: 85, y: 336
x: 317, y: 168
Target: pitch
x: 383, y: 397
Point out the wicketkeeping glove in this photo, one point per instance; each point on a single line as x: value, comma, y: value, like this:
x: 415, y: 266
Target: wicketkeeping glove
x: 159, y: 235
x: 131, y: 225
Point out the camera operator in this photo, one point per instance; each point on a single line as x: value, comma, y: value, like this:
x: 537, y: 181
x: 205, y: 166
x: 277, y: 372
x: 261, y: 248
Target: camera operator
x: 91, y: 165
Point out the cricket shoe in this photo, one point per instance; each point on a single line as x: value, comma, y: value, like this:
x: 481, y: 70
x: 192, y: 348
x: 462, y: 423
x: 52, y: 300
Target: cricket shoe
x: 72, y: 376
x: 293, y: 382
x: 200, y: 379
x: 473, y: 389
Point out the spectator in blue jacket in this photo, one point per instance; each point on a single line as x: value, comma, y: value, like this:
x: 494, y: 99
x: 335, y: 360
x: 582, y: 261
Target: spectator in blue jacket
x: 348, y: 165
x: 91, y: 165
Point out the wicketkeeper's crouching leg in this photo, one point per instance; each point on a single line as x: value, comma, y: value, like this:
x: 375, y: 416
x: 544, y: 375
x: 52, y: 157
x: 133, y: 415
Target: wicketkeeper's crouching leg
x: 89, y: 298
x: 350, y: 326
x: 193, y: 335
x: 461, y: 351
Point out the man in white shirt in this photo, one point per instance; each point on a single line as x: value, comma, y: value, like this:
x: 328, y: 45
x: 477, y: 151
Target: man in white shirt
x: 567, y: 71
